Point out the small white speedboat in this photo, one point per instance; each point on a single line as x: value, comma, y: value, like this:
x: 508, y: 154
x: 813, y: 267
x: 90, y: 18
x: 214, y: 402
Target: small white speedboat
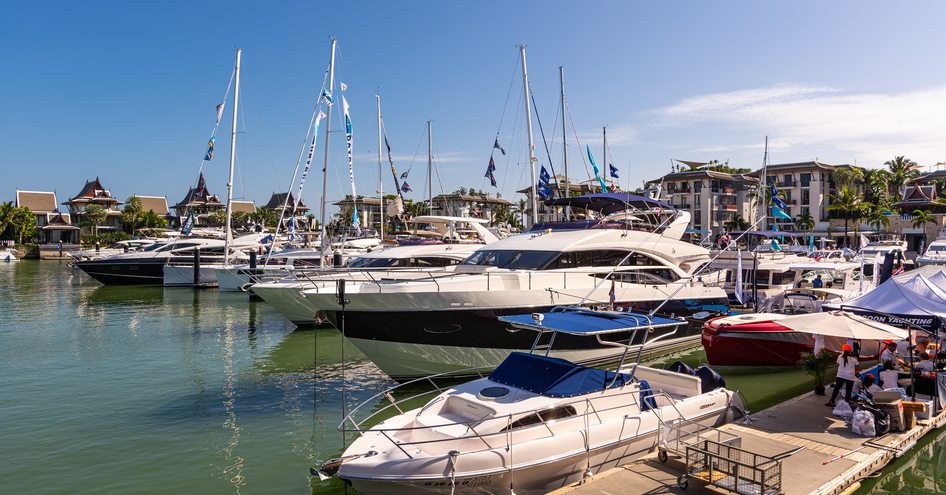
x: 535, y: 424
x: 7, y: 255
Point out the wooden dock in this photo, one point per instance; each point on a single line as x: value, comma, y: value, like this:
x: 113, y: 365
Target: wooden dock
x: 800, y: 422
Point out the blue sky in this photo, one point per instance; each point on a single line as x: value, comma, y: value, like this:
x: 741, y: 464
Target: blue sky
x: 126, y: 90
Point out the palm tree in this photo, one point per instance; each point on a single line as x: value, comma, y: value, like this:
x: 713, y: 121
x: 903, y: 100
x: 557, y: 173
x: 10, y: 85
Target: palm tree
x: 737, y: 223
x: 847, y: 204
x: 878, y: 219
x: 921, y: 218
x: 93, y: 216
x: 264, y: 217
x: 902, y: 170
x: 876, y: 183
x: 848, y: 176
x: 131, y: 213
x: 522, y: 211
x: 7, y: 215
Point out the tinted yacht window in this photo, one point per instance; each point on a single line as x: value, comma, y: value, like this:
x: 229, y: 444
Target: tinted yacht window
x: 512, y: 260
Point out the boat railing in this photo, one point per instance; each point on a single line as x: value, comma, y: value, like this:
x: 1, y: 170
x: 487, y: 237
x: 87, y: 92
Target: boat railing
x: 592, y: 414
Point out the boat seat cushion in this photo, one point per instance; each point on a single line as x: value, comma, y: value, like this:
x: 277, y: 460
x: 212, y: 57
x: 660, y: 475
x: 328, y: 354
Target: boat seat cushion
x: 553, y: 377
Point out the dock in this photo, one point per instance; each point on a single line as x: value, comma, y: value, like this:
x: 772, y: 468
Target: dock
x: 800, y: 422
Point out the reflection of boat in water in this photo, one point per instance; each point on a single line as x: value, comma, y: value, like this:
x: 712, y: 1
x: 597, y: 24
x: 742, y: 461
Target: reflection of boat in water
x: 304, y: 349
x: 923, y: 470
x: 123, y: 296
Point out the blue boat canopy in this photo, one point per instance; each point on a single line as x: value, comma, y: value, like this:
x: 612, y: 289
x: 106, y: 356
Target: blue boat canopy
x: 580, y: 321
x: 608, y: 203
x: 553, y: 377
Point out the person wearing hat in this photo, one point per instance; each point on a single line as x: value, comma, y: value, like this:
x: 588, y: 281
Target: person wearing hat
x: 869, y: 385
x: 890, y: 355
x: 847, y: 371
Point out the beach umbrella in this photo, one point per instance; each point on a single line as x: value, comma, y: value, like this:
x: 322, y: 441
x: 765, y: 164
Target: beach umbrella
x: 843, y: 324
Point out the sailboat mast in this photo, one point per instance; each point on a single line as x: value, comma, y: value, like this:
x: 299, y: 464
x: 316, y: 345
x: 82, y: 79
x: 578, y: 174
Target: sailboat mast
x: 525, y: 89
x: 604, y: 152
x: 430, y: 166
x: 380, y: 176
x: 233, y: 136
x: 561, y: 78
x: 328, y: 128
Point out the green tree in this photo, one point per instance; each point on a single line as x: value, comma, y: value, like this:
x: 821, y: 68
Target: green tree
x: 310, y: 221
x: 151, y: 220
x: 93, y: 216
x: 500, y: 214
x: 737, y: 223
x: 521, y: 209
x: 920, y: 219
x: 805, y: 222
x: 7, y: 216
x: 847, y: 204
x: 848, y: 176
x: 878, y: 219
x: 24, y: 224
x: 902, y: 171
x: 131, y: 214
x: 264, y: 217
x: 218, y: 217
x: 876, y: 182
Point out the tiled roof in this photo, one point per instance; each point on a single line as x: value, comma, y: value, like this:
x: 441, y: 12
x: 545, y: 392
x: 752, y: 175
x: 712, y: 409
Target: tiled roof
x: 244, y: 206
x: 157, y: 204
x: 36, y: 201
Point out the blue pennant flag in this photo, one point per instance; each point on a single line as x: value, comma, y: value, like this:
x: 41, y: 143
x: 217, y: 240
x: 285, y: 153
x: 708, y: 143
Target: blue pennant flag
x: 292, y: 229
x: 594, y: 166
x: 613, y: 170
x: 496, y: 146
x: 544, y: 190
x: 327, y: 96
x: 775, y: 196
x: 188, y: 224
x: 405, y: 187
x: 489, y: 172
x: 210, y: 149
x: 779, y: 213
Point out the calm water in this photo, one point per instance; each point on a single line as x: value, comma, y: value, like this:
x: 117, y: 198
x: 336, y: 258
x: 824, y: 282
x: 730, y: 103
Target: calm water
x: 151, y: 390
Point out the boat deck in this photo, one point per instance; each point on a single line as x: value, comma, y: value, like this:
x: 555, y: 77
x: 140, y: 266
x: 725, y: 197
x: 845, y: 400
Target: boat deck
x: 800, y: 422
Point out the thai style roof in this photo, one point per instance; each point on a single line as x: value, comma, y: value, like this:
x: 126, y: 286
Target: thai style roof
x: 36, y: 201
x: 471, y: 198
x: 193, y: 199
x: 94, y: 192
x: 242, y: 206
x: 59, y: 221
x: 157, y: 204
x: 277, y: 201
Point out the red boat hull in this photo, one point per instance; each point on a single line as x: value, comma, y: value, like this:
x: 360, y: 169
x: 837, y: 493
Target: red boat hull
x: 764, y: 343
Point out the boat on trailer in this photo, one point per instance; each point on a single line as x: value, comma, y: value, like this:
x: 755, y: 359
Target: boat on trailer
x: 535, y: 424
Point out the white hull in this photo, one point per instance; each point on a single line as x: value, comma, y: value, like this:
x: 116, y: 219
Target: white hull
x: 7, y: 257
x: 183, y: 276
x: 287, y: 299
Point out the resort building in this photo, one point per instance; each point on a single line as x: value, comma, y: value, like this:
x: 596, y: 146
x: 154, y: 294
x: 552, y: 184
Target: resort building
x: 52, y: 226
x: 199, y: 200
x: 559, y: 187
x: 921, y: 194
x: 369, y: 210
x: 93, y: 193
x: 715, y: 200
x: 240, y: 206
x: 278, y: 202
x: 467, y: 205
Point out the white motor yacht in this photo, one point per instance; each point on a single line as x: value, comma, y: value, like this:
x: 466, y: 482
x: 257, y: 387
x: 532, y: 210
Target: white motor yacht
x: 447, y: 322
x: 7, y: 256
x: 935, y: 253
x: 536, y: 423
x: 119, y: 247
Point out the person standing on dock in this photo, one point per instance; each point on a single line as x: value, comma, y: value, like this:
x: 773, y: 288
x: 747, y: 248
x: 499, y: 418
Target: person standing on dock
x: 847, y: 369
x: 890, y: 356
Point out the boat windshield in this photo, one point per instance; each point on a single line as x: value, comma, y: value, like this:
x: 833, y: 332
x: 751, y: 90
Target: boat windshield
x: 937, y: 249
x: 156, y: 246
x: 553, y: 260
x: 512, y: 260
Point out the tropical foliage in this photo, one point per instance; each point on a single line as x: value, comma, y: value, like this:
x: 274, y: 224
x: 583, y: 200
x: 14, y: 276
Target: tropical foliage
x: 134, y: 217
x: 847, y: 204
x: 902, y: 171
x: 737, y: 223
x: 93, y: 216
x: 921, y: 218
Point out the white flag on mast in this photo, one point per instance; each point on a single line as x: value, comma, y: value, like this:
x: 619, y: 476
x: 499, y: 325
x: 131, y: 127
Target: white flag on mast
x: 738, y: 278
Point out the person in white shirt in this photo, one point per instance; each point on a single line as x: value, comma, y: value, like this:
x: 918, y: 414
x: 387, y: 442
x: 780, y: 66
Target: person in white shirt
x: 890, y: 356
x: 847, y: 372
x: 889, y: 377
x: 925, y: 364
x: 869, y: 386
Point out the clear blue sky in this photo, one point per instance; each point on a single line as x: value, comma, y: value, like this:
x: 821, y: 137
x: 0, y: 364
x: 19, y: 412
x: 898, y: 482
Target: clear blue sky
x: 126, y: 90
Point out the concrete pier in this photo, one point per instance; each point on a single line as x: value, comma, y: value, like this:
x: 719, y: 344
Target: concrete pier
x: 800, y: 422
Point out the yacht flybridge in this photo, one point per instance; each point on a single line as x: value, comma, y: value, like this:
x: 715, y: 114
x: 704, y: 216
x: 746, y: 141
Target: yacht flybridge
x: 935, y: 254
x: 446, y: 322
x: 536, y: 423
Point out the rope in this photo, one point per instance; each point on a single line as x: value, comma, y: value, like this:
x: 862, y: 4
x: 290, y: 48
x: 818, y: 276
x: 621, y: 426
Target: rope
x: 545, y: 143
x: 575, y: 132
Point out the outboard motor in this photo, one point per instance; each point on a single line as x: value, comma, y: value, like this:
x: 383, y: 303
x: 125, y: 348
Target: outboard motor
x: 711, y: 379
x: 681, y: 367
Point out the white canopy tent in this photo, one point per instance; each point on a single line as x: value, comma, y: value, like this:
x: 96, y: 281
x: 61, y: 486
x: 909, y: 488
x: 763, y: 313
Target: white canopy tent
x: 844, y: 325
x: 917, y: 302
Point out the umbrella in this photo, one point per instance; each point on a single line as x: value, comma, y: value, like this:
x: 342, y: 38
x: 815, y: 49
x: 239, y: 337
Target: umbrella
x: 844, y: 325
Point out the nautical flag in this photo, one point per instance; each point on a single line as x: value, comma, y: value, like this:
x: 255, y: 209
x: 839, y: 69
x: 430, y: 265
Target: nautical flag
x: 613, y: 170
x: 188, y: 224
x: 611, y: 295
x: 210, y: 149
x: 292, y: 229
x: 405, y: 187
x: 327, y: 96
x: 604, y: 187
x: 778, y: 213
x: 219, y: 113
x: 899, y: 270
x: 489, y: 171
x: 404, y: 174
x: 544, y: 190
x: 308, y: 160
x: 775, y: 245
x: 864, y: 241
x: 738, y: 292
x: 877, y: 262
x: 496, y: 146
x: 351, y: 169
x: 343, y: 86
x: 201, y: 191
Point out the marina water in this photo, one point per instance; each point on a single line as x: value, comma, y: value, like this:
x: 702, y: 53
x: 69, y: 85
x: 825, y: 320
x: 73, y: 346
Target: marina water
x: 151, y: 390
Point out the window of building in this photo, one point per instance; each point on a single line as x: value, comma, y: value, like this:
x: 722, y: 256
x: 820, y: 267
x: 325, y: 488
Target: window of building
x: 805, y: 196
x: 787, y: 180
x: 805, y: 180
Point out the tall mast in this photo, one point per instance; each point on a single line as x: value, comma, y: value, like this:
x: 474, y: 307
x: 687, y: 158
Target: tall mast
x: 430, y: 166
x: 525, y: 89
x: 763, y: 188
x: 328, y: 128
x: 604, y: 152
x: 380, y: 176
x: 233, y: 135
x: 561, y: 78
